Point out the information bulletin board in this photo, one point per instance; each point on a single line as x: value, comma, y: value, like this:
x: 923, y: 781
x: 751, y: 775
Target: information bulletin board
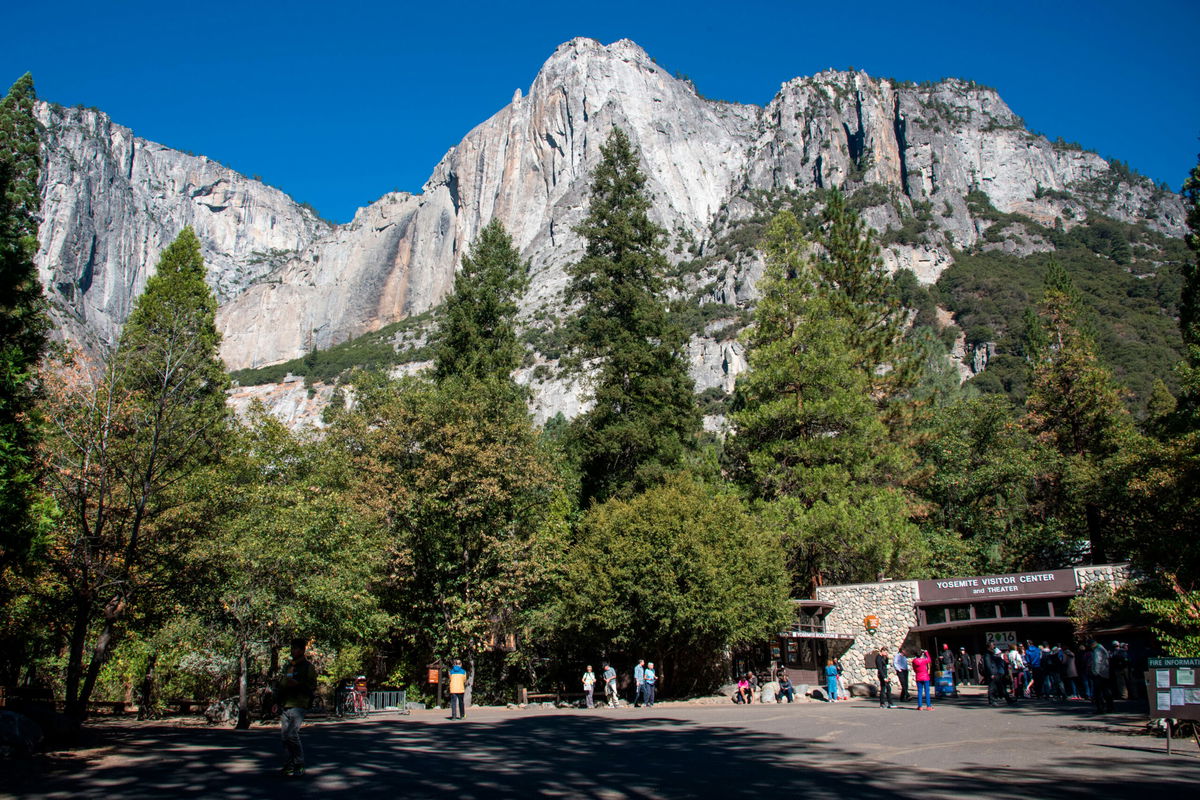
x: 1174, y: 690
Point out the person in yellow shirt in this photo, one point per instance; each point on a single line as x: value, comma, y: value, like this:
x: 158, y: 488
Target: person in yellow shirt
x: 458, y: 690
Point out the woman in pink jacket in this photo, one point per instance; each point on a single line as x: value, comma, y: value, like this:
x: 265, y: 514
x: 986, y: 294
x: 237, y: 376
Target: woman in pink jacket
x: 920, y: 667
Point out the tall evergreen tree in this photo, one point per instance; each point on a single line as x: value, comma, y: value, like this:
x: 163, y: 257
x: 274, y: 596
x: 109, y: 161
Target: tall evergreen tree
x: 1189, y: 307
x: 809, y: 437
x: 23, y: 320
x: 124, y: 443
x: 1075, y: 406
x: 644, y: 416
x: 478, y: 336
x: 850, y: 273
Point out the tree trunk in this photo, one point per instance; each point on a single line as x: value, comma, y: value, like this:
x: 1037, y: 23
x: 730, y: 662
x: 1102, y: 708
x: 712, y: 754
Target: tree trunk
x: 100, y: 653
x: 75, y: 656
x: 1096, y: 534
x: 146, y: 703
x: 243, y: 722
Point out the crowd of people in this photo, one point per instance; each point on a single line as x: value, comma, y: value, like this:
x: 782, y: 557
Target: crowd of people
x: 1013, y: 672
x: 645, y: 683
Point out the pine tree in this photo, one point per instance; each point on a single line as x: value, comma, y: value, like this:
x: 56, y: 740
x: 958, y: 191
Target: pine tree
x: 644, y: 416
x: 478, y: 334
x: 1189, y: 307
x: 23, y: 320
x: 809, y: 437
x: 851, y: 275
x: 1075, y: 406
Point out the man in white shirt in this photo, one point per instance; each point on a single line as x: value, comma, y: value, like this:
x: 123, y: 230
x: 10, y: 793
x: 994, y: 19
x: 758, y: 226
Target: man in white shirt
x: 900, y: 664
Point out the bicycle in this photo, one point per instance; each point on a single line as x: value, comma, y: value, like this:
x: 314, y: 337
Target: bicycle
x: 353, y: 703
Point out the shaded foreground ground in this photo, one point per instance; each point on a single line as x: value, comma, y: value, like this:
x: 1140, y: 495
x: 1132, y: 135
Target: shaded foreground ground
x: 808, y: 750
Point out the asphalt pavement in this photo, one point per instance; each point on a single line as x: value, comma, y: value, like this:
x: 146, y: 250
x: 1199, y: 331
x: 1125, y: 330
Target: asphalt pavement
x: 674, y: 750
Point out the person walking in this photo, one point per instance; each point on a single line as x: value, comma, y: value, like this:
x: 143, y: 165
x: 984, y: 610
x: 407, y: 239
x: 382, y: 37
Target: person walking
x: 589, y: 686
x: 458, y: 690
x: 1101, y: 669
x: 649, y: 680
x: 831, y: 685
x: 610, y: 684
x: 922, y: 665
x: 293, y: 694
x: 900, y: 664
x: 883, y: 670
x: 639, y: 678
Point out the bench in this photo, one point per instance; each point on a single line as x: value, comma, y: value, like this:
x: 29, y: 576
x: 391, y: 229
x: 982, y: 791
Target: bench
x: 525, y: 697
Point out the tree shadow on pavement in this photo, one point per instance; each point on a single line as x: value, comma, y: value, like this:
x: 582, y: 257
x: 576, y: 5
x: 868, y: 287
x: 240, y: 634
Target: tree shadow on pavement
x: 564, y: 755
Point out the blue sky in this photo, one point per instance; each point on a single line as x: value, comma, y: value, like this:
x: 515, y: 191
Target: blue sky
x: 337, y: 103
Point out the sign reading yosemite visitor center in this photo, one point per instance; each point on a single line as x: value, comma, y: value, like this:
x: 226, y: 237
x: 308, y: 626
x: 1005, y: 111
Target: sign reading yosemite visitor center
x: 1053, y: 581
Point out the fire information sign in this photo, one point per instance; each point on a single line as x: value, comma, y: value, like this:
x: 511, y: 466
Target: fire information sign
x: 1173, y: 690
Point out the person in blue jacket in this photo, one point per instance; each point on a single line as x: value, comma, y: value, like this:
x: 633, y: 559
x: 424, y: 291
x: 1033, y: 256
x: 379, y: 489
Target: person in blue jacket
x: 831, y: 686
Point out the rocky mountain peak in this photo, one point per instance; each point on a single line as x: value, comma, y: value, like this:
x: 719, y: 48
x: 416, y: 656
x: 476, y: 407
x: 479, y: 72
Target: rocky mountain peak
x: 933, y: 167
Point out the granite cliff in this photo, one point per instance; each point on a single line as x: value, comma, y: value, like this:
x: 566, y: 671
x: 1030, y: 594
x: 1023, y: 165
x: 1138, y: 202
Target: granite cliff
x: 288, y: 283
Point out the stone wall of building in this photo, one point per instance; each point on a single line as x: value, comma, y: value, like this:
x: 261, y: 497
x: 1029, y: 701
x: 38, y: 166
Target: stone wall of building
x: 1113, y: 574
x: 891, y: 601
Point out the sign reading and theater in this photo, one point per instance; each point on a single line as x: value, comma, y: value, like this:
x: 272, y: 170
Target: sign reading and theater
x: 1019, y: 584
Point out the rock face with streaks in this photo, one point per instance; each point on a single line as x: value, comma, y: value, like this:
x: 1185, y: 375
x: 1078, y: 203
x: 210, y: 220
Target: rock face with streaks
x: 111, y: 202
x: 950, y: 154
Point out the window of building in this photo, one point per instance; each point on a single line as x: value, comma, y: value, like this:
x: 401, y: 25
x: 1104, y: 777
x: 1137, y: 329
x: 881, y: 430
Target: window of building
x: 958, y: 613
x: 1040, y: 608
x: 1011, y: 608
x: 985, y: 611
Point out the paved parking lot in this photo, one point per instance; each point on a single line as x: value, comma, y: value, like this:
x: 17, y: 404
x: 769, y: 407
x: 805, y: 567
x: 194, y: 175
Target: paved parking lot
x: 807, y: 750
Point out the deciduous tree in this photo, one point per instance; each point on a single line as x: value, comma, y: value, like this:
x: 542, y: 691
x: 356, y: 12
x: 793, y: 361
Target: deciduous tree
x: 472, y: 507
x: 679, y: 573
x: 124, y: 439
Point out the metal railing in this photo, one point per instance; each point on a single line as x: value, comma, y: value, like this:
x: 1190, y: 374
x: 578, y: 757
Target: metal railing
x: 388, y: 701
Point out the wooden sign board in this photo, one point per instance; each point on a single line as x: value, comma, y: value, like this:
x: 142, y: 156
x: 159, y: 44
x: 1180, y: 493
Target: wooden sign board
x: 1173, y: 688
x: 1173, y: 691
